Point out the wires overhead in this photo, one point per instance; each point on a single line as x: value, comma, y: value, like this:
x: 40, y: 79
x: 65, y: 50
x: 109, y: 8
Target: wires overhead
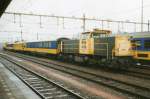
x: 83, y: 20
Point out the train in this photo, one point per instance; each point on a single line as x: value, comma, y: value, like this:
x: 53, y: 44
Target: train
x: 141, y: 49
x: 98, y: 47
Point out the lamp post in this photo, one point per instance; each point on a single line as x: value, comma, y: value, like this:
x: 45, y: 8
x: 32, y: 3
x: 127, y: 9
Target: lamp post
x: 21, y: 36
x: 142, y: 16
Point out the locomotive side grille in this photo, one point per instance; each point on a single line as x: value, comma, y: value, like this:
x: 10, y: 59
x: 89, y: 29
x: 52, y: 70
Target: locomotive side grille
x: 104, y: 46
x: 70, y: 46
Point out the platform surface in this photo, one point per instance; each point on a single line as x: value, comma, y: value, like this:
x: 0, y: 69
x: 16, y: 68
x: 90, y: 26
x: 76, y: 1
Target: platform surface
x: 13, y: 88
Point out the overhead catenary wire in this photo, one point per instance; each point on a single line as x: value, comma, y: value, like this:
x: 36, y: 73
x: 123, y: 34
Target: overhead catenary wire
x: 83, y: 20
x: 67, y: 17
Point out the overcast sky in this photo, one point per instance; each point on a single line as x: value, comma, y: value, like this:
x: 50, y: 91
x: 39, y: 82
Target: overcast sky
x: 53, y: 28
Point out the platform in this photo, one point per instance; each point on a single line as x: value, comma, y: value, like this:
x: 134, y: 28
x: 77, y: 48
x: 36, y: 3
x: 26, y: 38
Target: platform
x: 13, y: 88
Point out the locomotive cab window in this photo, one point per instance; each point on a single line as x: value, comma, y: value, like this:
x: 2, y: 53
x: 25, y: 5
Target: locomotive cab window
x: 96, y: 35
x: 85, y: 35
x: 147, y: 44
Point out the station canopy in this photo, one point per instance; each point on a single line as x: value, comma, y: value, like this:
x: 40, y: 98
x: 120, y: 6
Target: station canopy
x: 3, y: 5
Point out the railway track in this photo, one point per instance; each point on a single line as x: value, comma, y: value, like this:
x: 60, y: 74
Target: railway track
x: 131, y: 72
x: 147, y: 67
x: 138, y: 75
x: 43, y: 87
x: 139, y: 72
x: 124, y: 87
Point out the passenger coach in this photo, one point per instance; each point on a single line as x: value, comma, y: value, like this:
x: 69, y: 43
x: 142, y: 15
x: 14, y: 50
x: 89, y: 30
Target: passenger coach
x: 141, y: 48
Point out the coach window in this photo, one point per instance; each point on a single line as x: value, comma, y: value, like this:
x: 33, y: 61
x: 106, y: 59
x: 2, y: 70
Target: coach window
x: 147, y: 44
x: 136, y: 43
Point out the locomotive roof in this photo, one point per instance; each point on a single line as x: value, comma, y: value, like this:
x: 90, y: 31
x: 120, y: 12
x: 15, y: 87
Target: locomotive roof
x: 98, y: 31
